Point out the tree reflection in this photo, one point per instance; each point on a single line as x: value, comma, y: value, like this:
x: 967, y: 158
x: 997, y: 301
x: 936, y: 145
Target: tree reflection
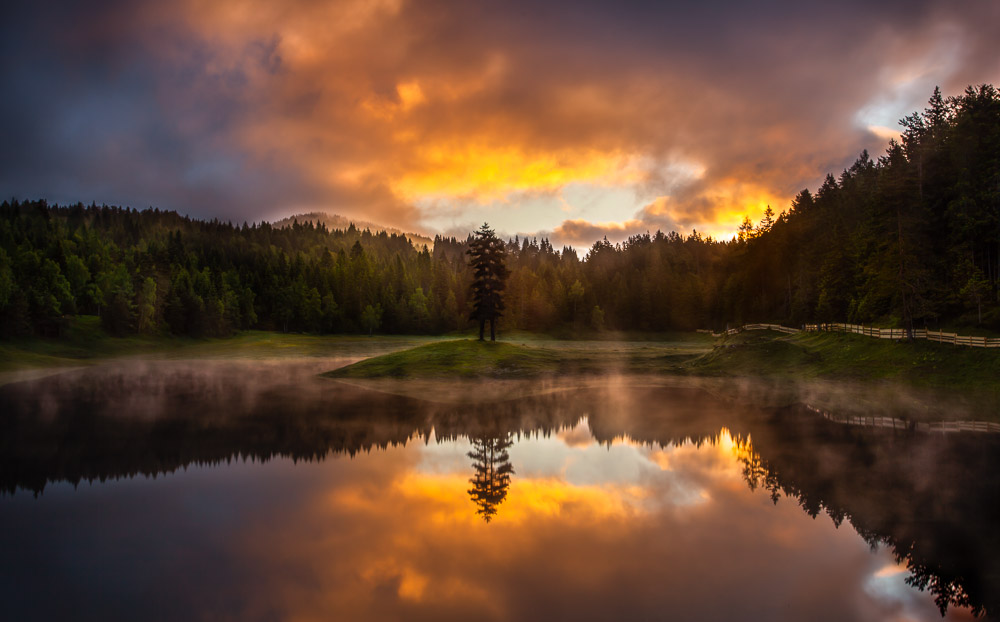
x: 493, y: 470
x: 755, y: 471
x: 927, y: 498
x: 930, y: 498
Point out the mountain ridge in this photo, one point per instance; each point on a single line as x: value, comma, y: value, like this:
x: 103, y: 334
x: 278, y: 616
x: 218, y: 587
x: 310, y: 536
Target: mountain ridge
x: 336, y: 221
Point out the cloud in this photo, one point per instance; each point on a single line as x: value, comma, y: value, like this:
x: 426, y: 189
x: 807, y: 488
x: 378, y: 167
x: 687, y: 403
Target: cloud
x: 710, y: 210
x: 584, y: 232
x: 246, y: 109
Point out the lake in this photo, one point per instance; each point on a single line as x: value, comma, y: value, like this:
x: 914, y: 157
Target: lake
x: 256, y: 490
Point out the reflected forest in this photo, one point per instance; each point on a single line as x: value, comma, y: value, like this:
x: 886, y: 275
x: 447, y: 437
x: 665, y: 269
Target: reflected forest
x: 919, y: 495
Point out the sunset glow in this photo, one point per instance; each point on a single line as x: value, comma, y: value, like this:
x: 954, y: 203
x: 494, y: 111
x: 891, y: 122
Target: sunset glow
x: 552, y: 523
x: 434, y: 118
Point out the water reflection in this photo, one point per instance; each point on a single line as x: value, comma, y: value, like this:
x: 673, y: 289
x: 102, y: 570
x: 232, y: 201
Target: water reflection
x: 932, y: 499
x: 491, y: 463
x: 630, y: 502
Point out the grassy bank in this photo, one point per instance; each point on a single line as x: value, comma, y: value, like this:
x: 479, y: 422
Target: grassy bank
x: 84, y: 342
x: 803, y: 356
x: 466, y: 358
x: 753, y: 354
x: 531, y: 356
x: 850, y: 357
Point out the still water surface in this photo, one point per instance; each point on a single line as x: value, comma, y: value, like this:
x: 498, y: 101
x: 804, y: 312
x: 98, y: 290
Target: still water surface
x: 254, y: 490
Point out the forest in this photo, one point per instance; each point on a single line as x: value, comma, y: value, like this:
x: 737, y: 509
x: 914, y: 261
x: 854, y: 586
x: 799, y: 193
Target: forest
x: 908, y: 239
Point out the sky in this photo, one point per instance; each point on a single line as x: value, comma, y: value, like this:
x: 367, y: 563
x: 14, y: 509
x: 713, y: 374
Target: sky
x: 572, y: 120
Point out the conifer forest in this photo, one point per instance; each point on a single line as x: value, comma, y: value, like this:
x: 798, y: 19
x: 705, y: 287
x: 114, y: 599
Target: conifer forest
x: 909, y: 238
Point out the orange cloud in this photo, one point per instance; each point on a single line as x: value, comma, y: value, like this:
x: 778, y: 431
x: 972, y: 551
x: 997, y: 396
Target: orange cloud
x: 495, y: 172
x: 716, y: 211
x: 381, y: 124
x: 381, y: 108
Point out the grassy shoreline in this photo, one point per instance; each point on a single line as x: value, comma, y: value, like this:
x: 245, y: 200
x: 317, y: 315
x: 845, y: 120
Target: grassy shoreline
x: 752, y: 354
x: 85, y: 343
x: 919, y: 380
x: 851, y: 357
x: 469, y: 358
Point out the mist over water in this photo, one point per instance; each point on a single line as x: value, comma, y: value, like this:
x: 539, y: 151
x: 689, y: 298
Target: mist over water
x: 260, y: 490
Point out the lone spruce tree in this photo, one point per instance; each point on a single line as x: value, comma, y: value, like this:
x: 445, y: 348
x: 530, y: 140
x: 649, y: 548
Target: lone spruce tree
x: 487, y: 254
x: 493, y: 472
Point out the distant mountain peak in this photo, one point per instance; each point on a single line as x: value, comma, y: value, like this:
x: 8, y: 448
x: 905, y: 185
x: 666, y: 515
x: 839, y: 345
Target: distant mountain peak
x: 336, y: 221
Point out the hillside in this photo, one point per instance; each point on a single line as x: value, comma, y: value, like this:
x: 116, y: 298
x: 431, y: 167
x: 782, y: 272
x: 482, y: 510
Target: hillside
x: 336, y: 221
x: 850, y: 357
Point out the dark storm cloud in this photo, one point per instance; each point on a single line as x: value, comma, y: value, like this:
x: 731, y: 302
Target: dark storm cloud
x: 240, y: 110
x: 95, y: 113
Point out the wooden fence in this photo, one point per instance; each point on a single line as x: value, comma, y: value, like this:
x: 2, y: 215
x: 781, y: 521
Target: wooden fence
x: 876, y: 332
x: 775, y: 327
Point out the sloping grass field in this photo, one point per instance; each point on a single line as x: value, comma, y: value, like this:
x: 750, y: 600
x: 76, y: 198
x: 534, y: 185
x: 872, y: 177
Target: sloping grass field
x: 850, y: 357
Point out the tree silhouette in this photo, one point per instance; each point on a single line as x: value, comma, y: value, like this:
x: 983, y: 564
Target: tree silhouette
x: 493, y: 471
x: 487, y: 253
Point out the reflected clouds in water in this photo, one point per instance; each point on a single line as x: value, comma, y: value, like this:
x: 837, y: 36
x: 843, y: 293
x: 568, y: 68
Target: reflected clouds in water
x: 268, y: 501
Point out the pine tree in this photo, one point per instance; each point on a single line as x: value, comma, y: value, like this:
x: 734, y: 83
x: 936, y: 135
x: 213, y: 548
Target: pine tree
x: 487, y: 254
